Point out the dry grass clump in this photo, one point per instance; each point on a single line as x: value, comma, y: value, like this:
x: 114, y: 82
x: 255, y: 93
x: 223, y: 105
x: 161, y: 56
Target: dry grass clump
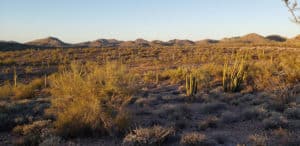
x: 151, y: 77
x: 156, y: 135
x: 258, y: 140
x: 6, y: 90
x: 196, y: 139
x: 21, y: 91
x: 291, y: 66
x: 32, y: 133
x: 36, y: 126
x: 87, y: 99
x: 176, y: 75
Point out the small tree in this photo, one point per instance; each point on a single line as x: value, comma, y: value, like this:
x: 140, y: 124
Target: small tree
x: 292, y: 6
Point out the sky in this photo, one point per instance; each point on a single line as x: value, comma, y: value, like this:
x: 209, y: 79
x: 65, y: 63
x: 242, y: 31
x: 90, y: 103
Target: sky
x: 82, y: 20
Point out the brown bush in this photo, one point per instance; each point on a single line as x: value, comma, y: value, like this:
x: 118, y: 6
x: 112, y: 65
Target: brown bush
x: 156, y: 135
x: 196, y: 139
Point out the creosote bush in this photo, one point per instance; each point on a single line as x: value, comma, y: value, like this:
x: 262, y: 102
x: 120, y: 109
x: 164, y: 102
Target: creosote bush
x: 87, y: 98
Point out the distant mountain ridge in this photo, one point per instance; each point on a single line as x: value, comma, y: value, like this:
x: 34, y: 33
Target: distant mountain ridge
x: 48, y: 42
x: 53, y: 42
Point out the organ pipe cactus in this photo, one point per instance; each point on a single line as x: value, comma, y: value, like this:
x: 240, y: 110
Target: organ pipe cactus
x: 233, y: 76
x: 191, y: 85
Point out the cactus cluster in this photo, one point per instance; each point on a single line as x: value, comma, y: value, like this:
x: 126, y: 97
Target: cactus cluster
x: 233, y: 76
x: 191, y: 85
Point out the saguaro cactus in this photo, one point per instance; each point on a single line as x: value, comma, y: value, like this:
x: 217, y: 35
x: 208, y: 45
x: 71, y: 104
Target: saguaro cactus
x: 191, y: 85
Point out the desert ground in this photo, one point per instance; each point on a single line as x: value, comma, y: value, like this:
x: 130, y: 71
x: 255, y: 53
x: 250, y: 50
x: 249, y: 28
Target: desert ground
x: 241, y: 91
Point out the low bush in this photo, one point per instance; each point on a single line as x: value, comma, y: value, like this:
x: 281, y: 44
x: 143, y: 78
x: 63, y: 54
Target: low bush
x: 87, y: 99
x: 21, y: 91
x: 32, y: 134
x: 156, y: 135
x: 176, y: 75
x: 6, y: 90
x: 196, y: 139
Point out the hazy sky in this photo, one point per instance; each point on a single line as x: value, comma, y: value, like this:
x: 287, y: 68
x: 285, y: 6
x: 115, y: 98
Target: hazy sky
x: 81, y: 20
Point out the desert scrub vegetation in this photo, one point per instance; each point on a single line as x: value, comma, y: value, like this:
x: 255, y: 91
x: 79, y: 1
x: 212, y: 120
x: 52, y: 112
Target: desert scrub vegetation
x: 20, y: 91
x: 196, y: 139
x: 234, y: 76
x: 6, y: 90
x: 176, y: 75
x: 33, y: 133
x: 102, y: 97
x: 191, y: 85
x: 156, y: 135
x: 88, y: 98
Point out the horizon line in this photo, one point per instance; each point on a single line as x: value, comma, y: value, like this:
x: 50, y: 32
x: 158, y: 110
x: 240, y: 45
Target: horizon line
x: 150, y: 40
